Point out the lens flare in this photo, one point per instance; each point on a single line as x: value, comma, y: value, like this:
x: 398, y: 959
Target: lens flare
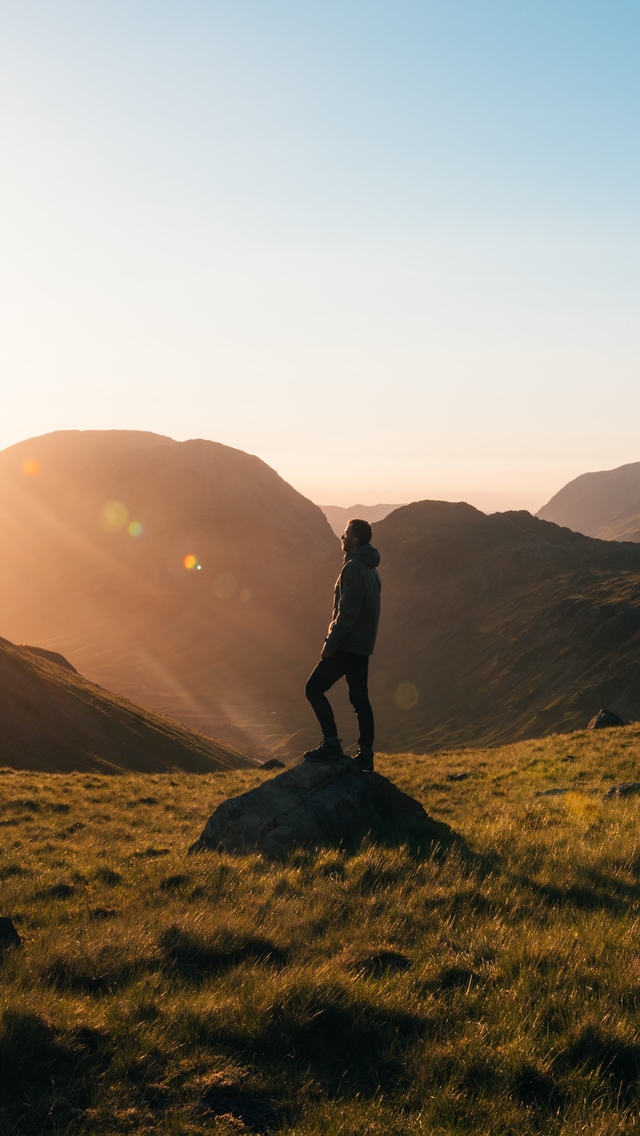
x: 406, y: 696
x: 31, y: 467
x: 134, y: 528
x: 245, y: 595
x: 113, y: 516
x: 190, y: 561
x: 224, y: 586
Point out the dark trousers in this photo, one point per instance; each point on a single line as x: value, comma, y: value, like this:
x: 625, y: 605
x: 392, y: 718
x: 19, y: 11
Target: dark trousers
x: 355, y: 669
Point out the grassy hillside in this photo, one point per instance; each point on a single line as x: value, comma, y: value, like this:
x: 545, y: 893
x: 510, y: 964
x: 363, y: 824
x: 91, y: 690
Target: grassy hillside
x: 605, y: 504
x: 187, y: 576
x: 494, y: 990
x: 54, y: 720
x: 500, y: 627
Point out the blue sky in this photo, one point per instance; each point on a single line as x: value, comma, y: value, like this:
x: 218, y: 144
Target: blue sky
x: 390, y: 248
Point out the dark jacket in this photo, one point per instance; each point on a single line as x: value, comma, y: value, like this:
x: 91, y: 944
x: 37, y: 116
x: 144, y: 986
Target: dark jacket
x: 356, y: 603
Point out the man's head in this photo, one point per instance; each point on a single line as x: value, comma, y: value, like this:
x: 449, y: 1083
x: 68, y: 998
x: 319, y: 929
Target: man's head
x: 356, y: 533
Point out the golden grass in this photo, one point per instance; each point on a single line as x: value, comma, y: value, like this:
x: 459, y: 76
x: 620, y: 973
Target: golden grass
x: 489, y: 990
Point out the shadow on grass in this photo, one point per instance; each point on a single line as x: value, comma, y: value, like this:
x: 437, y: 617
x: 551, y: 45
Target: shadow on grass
x: 103, y: 974
x: 345, y: 1046
x: 193, y: 957
x: 578, y: 896
x: 234, y: 1100
x: 56, y: 891
x: 605, y: 1052
x: 535, y: 1088
x: 45, y: 1075
x: 612, y: 884
x: 431, y: 839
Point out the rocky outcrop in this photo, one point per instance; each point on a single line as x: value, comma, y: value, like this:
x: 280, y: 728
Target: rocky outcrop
x: 315, y: 805
x: 603, y: 719
x: 627, y: 789
x: 9, y: 937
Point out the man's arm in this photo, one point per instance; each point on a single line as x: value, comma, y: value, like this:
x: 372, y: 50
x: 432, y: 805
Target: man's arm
x: 349, y: 607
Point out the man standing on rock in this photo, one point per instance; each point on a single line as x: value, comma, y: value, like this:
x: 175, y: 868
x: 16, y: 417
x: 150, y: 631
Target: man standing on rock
x: 350, y: 640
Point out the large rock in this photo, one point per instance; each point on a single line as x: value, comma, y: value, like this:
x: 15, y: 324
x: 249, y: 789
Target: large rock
x: 311, y: 805
x: 604, y: 719
x: 627, y: 789
x: 9, y: 937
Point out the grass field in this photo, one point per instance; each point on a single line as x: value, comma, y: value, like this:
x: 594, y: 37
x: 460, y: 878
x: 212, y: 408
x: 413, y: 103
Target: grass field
x: 492, y: 989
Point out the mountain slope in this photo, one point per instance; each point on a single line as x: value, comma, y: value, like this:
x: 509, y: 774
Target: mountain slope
x: 500, y: 627
x: 604, y: 504
x: 53, y: 720
x: 96, y: 527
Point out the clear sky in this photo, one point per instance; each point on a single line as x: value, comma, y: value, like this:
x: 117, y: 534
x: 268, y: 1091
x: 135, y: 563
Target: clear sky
x: 391, y: 248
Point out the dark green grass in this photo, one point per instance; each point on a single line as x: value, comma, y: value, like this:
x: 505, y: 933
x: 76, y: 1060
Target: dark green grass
x: 491, y: 989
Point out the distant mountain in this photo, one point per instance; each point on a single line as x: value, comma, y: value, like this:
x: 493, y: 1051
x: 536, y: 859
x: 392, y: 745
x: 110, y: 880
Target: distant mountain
x: 185, y: 575
x: 338, y: 515
x: 53, y: 720
x: 500, y: 627
x: 604, y: 504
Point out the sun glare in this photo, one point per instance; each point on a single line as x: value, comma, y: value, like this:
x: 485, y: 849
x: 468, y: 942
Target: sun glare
x: 406, y: 696
x: 113, y: 516
x: 31, y: 467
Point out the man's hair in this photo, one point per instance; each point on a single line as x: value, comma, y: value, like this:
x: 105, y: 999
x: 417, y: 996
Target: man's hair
x: 360, y: 529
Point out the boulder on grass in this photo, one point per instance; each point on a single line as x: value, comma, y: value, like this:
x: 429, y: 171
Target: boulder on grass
x: 318, y: 805
x: 627, y: 789
x: 603, y: 719
x: 9, y: 937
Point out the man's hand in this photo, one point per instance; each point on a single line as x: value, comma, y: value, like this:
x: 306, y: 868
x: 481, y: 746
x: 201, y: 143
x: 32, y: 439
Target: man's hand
x: 326, y: 654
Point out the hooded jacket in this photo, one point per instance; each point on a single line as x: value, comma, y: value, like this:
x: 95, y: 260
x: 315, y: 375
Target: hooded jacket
x: 356, y: 603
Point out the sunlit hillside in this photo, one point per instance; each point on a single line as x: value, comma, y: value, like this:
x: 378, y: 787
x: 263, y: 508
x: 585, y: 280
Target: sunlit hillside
x: 492, y: 989
x: 186, y: 575
x: 605, y: 504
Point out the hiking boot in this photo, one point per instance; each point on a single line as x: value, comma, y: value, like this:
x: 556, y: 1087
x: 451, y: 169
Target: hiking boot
x: 330, y: 750
x: 364, y: 759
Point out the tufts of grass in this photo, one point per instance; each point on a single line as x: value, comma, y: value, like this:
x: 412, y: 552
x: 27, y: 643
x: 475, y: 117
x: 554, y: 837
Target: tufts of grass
x: 492, y: 987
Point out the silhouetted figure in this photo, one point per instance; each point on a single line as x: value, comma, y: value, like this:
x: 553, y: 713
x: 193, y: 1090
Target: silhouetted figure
x: 350, y: 640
